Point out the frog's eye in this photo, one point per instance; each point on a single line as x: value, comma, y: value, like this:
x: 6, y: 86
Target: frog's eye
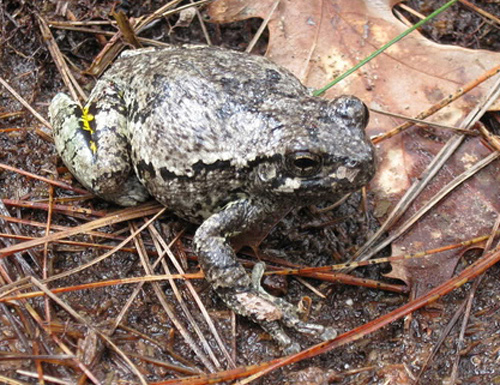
x: 351, y: 108
x: 303, y: 163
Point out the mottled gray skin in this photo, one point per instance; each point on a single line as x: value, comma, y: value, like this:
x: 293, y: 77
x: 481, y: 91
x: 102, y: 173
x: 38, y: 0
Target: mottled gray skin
x: 222, y: 138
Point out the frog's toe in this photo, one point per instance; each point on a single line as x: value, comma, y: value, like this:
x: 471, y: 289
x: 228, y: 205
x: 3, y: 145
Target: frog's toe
x: 293, y: 348
x: 257, y: 273
x: 328, y: 334
x: 324, y: 333
x: 278, y: 334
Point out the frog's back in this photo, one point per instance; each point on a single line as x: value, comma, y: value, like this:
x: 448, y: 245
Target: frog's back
x: 197, y: 120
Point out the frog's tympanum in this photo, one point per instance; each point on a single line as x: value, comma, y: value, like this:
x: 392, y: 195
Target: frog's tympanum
x: 221, y: 138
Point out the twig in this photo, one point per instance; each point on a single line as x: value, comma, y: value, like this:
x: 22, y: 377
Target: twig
x: 432, y: 169
x: 468, y: 302
x: 194, y: 294
x: 74, y: 88
x: 262, y: 27
x: 439, y: 105
x: 84, y: 321
x: 21, y: 100
x: 424, y: 122
x: 116, y: 217
x: 481, y: 11
x: 469, y: 273
x: 172, y: 314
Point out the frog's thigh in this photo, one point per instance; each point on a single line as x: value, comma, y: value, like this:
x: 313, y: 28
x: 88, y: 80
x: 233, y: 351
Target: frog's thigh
x: 93, y: 144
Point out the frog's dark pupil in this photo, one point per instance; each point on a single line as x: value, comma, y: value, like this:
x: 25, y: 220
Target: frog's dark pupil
x: 304, y: 164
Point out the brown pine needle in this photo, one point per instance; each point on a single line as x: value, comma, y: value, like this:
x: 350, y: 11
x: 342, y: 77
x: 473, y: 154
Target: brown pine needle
x: 43, y: 179
x: 94, y: 285
x: 439, y: 105
x: 350, y: 265
x: 112, y: 218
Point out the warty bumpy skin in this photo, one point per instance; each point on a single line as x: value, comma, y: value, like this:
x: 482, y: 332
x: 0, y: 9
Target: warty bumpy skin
x: 221, y: 138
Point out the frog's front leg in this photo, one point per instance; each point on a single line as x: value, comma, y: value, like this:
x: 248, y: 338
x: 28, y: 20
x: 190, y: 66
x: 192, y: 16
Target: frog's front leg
x: 93, y: 144
x: 231, y: 282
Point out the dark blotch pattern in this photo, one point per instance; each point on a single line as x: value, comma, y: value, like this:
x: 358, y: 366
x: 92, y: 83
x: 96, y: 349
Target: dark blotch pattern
x: 145, y: 170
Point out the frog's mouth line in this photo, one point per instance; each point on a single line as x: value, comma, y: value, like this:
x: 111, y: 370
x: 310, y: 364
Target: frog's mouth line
x: 316, y: 187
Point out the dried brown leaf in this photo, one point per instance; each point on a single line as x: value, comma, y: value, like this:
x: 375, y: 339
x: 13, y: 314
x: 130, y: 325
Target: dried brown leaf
x: 320, y: 39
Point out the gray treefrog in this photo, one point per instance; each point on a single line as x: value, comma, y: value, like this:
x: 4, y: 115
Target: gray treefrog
x: 221, y: 138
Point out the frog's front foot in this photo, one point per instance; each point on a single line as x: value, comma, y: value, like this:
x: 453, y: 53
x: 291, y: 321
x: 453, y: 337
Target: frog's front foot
x: 270, y: 312
x: 291, y: 317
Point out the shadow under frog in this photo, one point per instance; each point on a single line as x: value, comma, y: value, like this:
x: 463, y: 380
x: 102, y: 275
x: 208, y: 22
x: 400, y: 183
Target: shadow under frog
x: 224, y: 139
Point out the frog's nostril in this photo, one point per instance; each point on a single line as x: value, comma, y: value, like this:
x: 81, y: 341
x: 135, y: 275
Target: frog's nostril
x: 303, y: 163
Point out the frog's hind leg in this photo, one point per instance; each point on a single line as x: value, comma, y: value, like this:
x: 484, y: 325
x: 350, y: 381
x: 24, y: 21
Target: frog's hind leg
x: 93, y: 144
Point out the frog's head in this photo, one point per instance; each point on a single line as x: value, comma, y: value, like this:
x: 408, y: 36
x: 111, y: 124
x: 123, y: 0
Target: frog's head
x: 326, y: 152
